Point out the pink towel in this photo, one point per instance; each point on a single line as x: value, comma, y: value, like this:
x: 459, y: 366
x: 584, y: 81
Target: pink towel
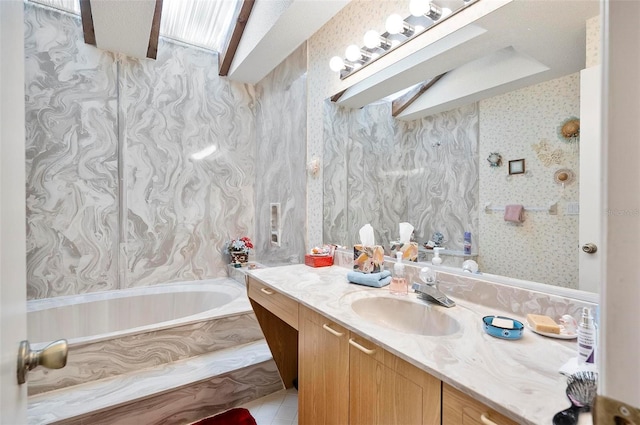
x: 514, y: 213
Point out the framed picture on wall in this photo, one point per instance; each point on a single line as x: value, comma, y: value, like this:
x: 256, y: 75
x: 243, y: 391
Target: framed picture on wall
x: 516, y: 166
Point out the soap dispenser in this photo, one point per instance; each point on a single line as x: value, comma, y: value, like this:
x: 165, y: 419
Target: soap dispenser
x: 436, y: 260
x: 398, y: 284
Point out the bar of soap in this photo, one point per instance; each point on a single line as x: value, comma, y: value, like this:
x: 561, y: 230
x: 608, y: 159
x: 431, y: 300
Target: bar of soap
x: 502, y: 323
x: 541, y: 323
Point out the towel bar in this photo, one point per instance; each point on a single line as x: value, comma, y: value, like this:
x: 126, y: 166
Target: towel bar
x: 552, y: 209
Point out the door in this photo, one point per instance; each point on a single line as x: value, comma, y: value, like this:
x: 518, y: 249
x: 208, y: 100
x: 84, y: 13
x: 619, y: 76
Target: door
x: 13, y: 397
x: 591, y: 199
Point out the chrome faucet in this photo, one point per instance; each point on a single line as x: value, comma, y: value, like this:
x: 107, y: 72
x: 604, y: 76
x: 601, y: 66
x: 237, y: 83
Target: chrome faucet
x: 429, y: 291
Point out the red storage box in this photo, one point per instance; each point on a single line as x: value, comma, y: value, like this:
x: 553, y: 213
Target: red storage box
x: 318, y: 260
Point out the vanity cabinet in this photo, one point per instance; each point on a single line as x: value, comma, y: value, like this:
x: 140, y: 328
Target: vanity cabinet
x: 345, y: 379
x: 277, y: 315
x: 461, y: 409
x: 323, y: 370
x: 384, y: 389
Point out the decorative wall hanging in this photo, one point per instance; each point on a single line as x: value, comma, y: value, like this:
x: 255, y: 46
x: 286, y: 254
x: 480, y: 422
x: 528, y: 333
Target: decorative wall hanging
x: 516, y: 166
x: 313, y: 167
x: 569, y: 130
x: 564, y: 176
x: 546, y: 154
x: 495, y: 159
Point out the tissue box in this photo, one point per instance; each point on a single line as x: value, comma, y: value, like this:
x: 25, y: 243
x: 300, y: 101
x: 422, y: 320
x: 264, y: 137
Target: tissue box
x: 368, y: 259
x: 409, y: 250
x: 318, y: 260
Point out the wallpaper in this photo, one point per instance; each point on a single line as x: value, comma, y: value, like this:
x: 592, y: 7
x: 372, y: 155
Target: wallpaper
x: 544, y: 248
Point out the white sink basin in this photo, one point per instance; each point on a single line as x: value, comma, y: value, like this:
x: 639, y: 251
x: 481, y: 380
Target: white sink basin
x: 406, y: 316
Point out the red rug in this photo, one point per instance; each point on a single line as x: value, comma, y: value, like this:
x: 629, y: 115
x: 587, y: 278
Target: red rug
x: 237, y: 416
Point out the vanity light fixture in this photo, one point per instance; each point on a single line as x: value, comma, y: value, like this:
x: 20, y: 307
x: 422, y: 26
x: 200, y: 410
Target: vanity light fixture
x: 396, y: 25
x: 373, y: 40
x: 398, y: 31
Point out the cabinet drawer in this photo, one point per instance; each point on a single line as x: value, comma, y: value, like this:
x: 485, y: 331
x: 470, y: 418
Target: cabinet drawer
x: 278, y: 304
x: 461, y: 409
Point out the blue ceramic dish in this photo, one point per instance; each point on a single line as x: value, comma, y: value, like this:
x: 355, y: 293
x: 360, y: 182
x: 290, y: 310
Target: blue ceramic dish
x: 504, y: 333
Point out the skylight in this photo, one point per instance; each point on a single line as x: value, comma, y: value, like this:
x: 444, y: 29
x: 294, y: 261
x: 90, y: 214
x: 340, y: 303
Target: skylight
x: 202, y: 23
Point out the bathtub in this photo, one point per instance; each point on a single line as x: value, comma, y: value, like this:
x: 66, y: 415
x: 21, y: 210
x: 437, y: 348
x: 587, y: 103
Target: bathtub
x: 98, y: 316
x: 162, y: 354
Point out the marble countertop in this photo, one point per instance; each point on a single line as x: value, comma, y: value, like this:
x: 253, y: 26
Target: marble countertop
x: 519, y: 379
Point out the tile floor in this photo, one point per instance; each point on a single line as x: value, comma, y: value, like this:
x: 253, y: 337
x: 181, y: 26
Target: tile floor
x: 279, y: 408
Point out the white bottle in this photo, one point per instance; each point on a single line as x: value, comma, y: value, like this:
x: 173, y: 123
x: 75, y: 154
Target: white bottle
x: 398, y: 284
x: 436, y: 260
x: 586, y: 338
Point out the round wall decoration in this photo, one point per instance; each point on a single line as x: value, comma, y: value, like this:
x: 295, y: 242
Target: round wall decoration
x: 569, y: 130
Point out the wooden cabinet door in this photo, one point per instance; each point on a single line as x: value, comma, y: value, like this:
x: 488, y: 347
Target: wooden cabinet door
x: 323, y: 379
x: 386, y: 390
x: 461, y: 409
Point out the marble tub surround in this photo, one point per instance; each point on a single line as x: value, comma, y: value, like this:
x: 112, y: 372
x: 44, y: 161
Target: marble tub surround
x: 205, y: 341
x: 132, y: 311
x: 177, y: 392
x: 517, y: 378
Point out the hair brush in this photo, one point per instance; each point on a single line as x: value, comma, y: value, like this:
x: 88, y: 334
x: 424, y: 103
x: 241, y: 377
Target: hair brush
x: 581, y: 390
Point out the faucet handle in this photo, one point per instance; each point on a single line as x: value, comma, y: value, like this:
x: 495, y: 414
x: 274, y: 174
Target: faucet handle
x: 428, y: 276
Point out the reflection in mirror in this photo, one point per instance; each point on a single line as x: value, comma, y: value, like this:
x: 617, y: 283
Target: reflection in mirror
x: 432, y: 172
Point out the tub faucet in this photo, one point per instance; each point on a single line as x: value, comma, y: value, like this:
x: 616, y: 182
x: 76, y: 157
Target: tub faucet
x: 429, y: 291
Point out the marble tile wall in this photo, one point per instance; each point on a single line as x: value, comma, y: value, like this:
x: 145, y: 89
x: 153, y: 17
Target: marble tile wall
x: 71, y: 158
x: 381, y: 171
x: 281, y: 165
x: 179, y: 211
x: 115, y: 198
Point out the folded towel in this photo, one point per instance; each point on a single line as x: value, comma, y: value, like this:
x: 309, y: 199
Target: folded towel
x: 514, y: 213
x: 377, y: 280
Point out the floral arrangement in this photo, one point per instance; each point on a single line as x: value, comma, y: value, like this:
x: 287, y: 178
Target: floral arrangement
x: 242, y: 244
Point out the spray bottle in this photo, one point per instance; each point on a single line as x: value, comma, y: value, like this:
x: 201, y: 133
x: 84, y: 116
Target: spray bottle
x: 586, y: 337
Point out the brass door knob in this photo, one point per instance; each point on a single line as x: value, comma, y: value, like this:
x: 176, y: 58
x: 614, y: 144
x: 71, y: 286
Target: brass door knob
x: 53, y: 356
x: 589, y: 248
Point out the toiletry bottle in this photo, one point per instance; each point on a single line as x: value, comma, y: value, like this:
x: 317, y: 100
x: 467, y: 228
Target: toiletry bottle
x: 436, y: 260
x: 398, y: 284
x: 467, y: 243
x: 586, y: 337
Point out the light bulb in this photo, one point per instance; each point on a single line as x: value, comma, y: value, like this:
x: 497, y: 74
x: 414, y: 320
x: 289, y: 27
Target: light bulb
x: 418, y: 7
x: 372, y: 40
x: 394, y: 24
x: 353, y: 53
x: 336, y: 64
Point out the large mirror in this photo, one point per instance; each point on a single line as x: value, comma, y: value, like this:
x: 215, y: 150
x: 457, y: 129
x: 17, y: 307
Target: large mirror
x: 434, y: 170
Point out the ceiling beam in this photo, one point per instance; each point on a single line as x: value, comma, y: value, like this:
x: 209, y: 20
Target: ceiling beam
x: 234, y: 40
x: 88, y: 26
x: 403, y: 102
x: 87, y: 22
x: 152, y: 50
